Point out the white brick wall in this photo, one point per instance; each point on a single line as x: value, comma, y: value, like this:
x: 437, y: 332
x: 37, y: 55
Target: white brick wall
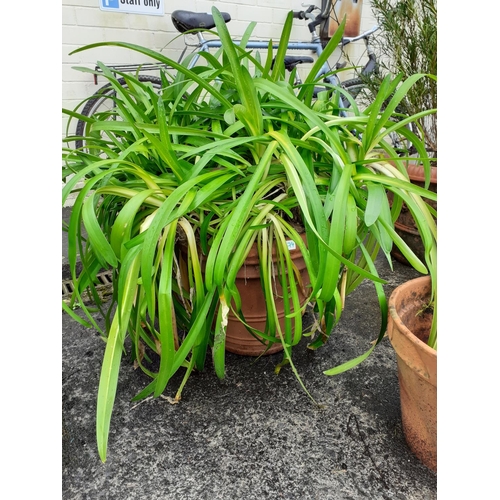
x: 83, y: 23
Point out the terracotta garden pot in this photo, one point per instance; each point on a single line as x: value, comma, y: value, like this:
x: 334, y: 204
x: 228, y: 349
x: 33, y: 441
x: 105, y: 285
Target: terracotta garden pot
x: 238, y: 339
x: 417, y: 367
x: 405, y: 225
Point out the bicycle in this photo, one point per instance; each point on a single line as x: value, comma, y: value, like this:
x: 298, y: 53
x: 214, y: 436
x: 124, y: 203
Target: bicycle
x: 187, y: 22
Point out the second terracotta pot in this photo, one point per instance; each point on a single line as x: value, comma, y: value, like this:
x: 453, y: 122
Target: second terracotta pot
x: 408, y: 330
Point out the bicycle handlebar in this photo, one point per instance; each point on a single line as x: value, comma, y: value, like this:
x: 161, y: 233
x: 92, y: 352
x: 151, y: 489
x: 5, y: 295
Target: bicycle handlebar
x: 305, y: 14
x: 349, y: 39
x: 317, y: 20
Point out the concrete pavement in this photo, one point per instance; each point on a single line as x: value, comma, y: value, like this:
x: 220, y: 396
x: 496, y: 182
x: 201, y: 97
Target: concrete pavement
x: 255, y: 435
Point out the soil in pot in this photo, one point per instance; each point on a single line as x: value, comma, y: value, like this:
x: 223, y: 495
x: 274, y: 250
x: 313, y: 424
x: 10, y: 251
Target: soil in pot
x: 408, y: 330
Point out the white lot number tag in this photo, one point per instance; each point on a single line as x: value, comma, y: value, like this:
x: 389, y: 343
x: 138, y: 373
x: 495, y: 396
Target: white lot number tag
x: 147, y: 7
x: 291, y: 245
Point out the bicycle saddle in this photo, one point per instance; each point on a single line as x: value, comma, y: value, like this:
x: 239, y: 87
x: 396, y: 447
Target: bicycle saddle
x: 184, y: 20
x: 292, y: 61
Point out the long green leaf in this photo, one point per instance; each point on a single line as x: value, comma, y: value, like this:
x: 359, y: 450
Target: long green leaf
x: 122, y: 227
x: 103, y: 250
x: 322, y: 59
x: 279, y: 59
x: 383, y: 323
x: 242, y: 79
x: 337, y: 230
x: 165, y: 313
x: 112, y: 354
x: 376, y: 196
x: 75, y: 316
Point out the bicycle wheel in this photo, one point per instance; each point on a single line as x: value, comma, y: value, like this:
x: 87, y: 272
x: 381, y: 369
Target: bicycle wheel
x: 103, y: 101
x: 363, y: 96
x: 359, y: 91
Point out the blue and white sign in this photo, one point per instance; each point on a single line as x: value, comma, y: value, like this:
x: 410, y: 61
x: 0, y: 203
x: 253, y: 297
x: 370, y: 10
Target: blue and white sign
x: 148, y: 7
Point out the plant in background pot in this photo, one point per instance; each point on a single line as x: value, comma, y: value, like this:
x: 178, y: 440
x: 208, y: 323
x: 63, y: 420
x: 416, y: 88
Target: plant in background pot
x: 229, y: 161
x: 407, y: 44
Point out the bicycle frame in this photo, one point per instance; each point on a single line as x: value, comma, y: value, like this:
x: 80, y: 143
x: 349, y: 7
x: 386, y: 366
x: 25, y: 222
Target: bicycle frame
x: 315, y: 46
x: 206, y: 45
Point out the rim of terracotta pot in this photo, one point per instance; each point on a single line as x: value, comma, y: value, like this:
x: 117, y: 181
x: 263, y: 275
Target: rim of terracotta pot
x: 394, y: 299
x: 252, y: 259
x: 406, y: 229
x: 416, y: 173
